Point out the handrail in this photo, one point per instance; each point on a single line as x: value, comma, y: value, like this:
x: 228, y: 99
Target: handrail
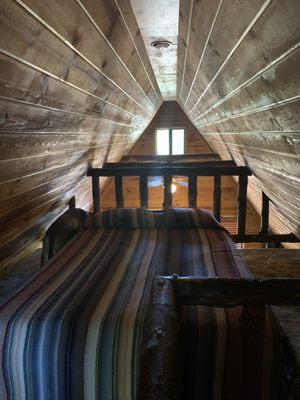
x: 191, y: 170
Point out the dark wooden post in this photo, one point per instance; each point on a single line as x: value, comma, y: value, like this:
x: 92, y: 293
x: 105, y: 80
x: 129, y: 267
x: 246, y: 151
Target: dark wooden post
x: 242, y: 204
x: 160, y: 366
x: 144, y: 191
x: 192, y: 190
x: 119, y: 191
x: 265, y: 214
x: 217, y: 197
x: 96, y: 193
x: 253, y: 334
x: 167, y: 192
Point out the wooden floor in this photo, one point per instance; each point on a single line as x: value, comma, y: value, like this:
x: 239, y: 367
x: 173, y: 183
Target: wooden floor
x: 262, y: 262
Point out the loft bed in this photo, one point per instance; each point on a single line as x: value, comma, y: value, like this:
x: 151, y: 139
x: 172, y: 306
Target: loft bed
x: 148, y: 304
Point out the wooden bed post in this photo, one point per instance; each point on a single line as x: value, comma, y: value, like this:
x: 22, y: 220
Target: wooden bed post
x: 160, y: 361
x: 96, y: 193
x: 252, y: 326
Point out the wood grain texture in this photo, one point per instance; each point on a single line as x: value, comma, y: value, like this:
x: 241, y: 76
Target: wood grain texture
x: 245, y: 95
x: 76, y: 89
x: 171, y: 115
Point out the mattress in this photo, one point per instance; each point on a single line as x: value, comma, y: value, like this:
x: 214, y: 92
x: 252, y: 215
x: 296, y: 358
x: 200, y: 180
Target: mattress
x: 75, y: 331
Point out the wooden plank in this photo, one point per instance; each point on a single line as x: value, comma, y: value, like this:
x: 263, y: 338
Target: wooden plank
x: 119, y: 191
x: 27, y: 84
x: 170, y: 170
x: 227, y: 292
x: 215, y: 53
x: 242, y: 205
x: 105, y: 59
x: 272, y: 263
x: 143, y: 185
x: 50, y: 53
x: 266, y: 51
x: 192, y: 191
x: 160, y: 362
x: 96, y: 193
x: 275, y: 238
x: 142, y: 164
x: 174, y: 158
x: 168, y: 197
x: 217, y: 197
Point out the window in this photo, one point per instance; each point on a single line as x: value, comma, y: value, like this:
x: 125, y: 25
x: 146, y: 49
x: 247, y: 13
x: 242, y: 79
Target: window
x: 169, y: 141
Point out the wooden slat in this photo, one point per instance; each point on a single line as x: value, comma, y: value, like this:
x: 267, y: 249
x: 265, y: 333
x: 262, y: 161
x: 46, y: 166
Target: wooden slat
x: 276, y: 238
x: 170, y: 170
x: 242, y: 205
x: 217, y: 197
x: 96, y: 193
x: 182, y: 157
x: 167, y: 192
x: 166, y: 163
x: 119, y: 191
x: 265, y: 214
x: 143, y: 191
x: 227, y: 292
x: 192, y: 191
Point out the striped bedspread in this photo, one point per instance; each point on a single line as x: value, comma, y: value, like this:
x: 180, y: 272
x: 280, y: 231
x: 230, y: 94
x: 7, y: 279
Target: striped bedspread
x: 75, y: 331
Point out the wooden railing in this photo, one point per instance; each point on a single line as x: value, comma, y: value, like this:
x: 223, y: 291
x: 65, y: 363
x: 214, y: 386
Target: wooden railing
x: 191, y: 170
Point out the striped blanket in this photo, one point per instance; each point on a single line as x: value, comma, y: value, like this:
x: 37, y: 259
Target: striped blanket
x: 75, y: 330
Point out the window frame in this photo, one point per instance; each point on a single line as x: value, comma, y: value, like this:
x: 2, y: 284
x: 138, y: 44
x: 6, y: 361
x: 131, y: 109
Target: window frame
x: 170, y: 139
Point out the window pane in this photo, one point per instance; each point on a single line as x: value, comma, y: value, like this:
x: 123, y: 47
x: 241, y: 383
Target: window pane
x: 177, y: 141
x: 162, y: 142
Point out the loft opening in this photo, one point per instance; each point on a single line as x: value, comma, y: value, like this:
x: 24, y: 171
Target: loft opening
x: 170, y: 141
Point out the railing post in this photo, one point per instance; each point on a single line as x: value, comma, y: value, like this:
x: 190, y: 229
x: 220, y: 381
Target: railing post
x: 217, y: 197
x: 265, y: 214
x: 192, y: 191
x: 96, y: 193
x: 167, y: 192
x: 119, y: 191
x: 144, y: 191
x: 242, y: 204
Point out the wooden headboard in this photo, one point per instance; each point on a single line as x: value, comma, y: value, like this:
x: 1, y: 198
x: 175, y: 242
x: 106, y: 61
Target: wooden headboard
x: 191, y: 170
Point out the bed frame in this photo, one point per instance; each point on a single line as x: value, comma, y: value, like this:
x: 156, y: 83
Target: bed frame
x: 169, y: 293
x: 191, y: 170
x: 163, y: 379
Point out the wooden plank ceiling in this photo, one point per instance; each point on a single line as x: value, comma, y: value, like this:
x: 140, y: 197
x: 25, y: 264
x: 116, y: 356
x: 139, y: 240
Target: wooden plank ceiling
x: 77, y: 88
x: 238, y: 81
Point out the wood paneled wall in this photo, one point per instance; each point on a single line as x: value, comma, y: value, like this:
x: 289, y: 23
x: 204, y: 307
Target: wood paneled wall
x: 170, y: 115
x: 76, y: 89
x: 239, y: 83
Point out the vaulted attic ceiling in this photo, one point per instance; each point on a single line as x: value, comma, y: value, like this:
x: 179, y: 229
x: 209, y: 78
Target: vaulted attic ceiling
x: 79, y: 83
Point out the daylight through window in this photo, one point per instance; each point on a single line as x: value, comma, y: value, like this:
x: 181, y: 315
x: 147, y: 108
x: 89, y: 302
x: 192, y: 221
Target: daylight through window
x: 169, y: 141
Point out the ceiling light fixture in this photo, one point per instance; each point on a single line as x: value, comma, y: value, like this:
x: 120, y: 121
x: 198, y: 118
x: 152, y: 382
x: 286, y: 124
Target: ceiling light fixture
x: 161, y: 44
